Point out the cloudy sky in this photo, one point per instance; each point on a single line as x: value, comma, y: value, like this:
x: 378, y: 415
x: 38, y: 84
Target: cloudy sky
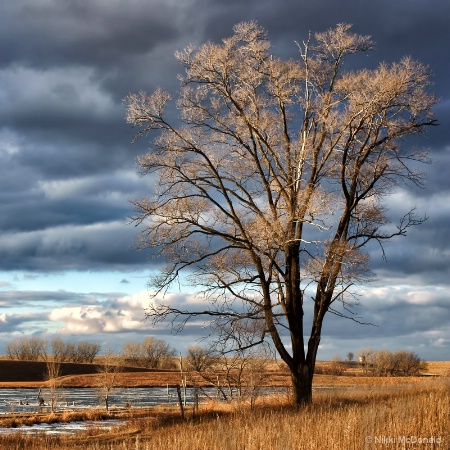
x: 67, y: 165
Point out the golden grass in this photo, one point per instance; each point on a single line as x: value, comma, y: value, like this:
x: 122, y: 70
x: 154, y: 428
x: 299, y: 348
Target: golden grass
x: 16, y: 420
x: 439, y: 368
x: 353, y: 419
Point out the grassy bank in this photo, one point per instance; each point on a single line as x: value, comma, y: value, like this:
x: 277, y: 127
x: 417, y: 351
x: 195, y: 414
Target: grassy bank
x: 416, y: 417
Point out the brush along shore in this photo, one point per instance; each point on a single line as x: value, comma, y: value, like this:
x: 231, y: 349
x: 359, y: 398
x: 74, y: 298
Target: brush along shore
x: 413, y: 416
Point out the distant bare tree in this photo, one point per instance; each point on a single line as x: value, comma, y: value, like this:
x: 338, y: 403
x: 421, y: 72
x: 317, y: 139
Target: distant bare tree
x: 272, y: 183
x: 27, y: 349
x: 157, y: 353
x: 67, y: 351
x: 12, y: 349
x: 132, y: 353
x: 87, y: 351
x: 337, y: 365
x: 410, y: 363
x: 53, y: 383
x: 389, y: 363
x: 62, y: 351
x: 108, y: 371
x: 199, y: 359
x: 350, y: 356
x: 151, y: 352
x: 365, y: 359
x: 236, y: 367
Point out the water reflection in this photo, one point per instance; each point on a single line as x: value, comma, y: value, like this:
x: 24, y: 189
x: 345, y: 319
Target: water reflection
x: 24, y: 400
x: 28, y: 400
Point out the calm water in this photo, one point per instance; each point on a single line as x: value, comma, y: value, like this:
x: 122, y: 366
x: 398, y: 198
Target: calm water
x: 26, y: 400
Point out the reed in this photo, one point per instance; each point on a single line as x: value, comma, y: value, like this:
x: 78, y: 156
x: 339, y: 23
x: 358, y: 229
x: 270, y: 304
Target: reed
x: 410, y: 417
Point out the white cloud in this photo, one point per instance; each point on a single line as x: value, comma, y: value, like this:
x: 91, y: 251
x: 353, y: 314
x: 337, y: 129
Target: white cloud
x: 125, y: 314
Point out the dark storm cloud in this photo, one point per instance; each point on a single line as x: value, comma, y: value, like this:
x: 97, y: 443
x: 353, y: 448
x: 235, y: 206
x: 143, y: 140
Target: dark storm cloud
x: 94, y: 33
x: 400, y: 317
x: 90, y: 247
x: 17, y: 299
x: 66, y: 66
x: 392, y: 312
x: 67, y: 165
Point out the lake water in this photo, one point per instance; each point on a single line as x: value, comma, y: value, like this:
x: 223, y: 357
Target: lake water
x: 26, y: 400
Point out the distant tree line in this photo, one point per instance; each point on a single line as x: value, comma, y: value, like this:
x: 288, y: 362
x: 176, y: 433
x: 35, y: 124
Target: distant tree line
x: 27, y: 349
x: 391, y: 363
x: 35, y: 348
x: 150, y: 353
x: 74, y: 351
x: 238, y: 366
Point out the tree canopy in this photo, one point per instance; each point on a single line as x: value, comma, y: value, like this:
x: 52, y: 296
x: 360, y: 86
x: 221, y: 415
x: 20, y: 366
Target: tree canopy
x: 271, y: 181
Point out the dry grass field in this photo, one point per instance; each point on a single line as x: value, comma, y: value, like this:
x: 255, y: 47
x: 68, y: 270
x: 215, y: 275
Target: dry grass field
x: 411, y: 413
x: 415, y: 417
x: 439, y: 368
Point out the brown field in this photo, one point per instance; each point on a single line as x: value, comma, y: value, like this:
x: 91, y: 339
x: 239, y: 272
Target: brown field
x: 353, y: 419
x: 439, y: 368
x: 32, y: 374
x: 337, y: 420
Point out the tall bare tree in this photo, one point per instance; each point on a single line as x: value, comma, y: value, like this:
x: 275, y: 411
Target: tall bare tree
x: 109, y: 369
x: 272, y: 181
x: 54, y: 384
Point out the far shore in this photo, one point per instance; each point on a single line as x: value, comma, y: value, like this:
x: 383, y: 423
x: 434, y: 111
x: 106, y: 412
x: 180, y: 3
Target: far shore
x: 161, y: 378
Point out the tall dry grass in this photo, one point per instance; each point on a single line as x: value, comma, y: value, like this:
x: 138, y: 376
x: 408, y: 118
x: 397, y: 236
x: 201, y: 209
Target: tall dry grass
x: 409, y: 418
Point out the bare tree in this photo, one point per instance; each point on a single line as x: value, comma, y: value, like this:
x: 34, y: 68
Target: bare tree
x: 152, y: 353
x: 157, y: 353
x: 87, y: 351
x: 54, y: 384
x: 74, y: 352
x: 63, y: 351
x: 273, y: 183
x: 132, y: 353
x: 27, y: 349
x: 12, y: 349
x: 236, y: 374
x: 399, y: 363
x: 199, y: 359
x: 410, y: 363
x: 108, y: 372
x: 365, y: 359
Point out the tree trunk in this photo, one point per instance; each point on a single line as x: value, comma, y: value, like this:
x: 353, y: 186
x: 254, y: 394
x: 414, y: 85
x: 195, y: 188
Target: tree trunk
x: 302, y: 385
x: 302, y: 374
